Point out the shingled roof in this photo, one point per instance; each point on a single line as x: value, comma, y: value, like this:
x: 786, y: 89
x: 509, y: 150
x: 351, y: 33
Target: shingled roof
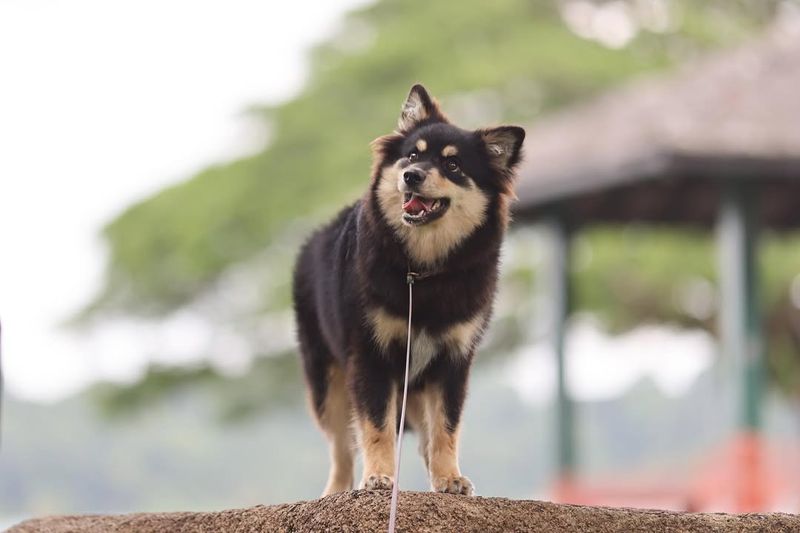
x: 656, y: 149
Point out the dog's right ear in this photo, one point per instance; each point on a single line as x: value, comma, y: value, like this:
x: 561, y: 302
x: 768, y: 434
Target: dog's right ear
x: 418, y: 107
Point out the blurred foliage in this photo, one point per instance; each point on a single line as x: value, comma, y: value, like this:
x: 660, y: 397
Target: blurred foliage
x: 633, y: 274
x: 508, y: 60
x: 271, y: 380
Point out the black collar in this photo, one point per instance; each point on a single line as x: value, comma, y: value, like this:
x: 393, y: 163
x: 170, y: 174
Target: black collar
x: 412, y: 276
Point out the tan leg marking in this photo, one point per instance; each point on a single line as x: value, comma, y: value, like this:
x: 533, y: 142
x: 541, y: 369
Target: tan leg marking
x: 335, y: 423
x: 445, y: 474
x: 378, y: 446
x: 415, y: 414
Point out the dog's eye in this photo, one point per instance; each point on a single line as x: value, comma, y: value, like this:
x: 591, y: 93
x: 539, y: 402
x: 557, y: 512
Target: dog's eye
x: 413, y: 156
x: 451, y: 164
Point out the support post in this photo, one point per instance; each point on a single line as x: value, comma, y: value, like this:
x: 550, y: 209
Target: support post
x: 742, y: 337
x: 559, y: 297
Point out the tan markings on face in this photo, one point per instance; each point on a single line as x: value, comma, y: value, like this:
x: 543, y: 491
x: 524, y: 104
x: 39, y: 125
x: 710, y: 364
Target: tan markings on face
x: 377, y: 444
x: 431, y: 243
x: 390, y: 198
x: 421, y: 145
x: 445, y: 474
x: 335, y: 421
x: 449, y: 151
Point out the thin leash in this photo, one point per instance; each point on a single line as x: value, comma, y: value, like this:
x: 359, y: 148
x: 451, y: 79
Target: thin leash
x: 410, y: 277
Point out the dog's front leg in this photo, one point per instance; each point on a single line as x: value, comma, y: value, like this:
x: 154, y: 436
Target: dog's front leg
x: 375, y: 397
x: 443, y: 400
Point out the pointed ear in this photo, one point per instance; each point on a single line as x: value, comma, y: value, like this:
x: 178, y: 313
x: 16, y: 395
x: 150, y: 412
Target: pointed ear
x: 504, y: 145
x: 418, y: 107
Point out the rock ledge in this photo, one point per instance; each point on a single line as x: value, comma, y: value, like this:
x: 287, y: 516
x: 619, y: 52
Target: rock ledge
x: 418, y: 512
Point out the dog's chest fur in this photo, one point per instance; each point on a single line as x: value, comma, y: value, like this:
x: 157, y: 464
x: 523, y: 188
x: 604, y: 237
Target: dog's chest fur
x: 456, y: 339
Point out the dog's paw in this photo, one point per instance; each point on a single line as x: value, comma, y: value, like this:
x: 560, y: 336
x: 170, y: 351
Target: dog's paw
x: 377, y: 482
x: 454, y: 485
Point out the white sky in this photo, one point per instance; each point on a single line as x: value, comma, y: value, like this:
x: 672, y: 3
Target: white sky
x: 103, y: 102
x: 599, y: 367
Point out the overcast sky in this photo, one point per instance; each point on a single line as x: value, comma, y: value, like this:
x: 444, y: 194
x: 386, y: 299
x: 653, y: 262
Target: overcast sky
x: 103, y: 102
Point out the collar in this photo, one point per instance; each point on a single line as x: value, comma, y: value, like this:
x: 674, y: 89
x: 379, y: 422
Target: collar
x: 412, y: 276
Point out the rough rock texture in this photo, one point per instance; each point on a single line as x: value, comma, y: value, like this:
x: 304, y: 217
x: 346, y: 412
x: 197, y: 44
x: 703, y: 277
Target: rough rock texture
x: 418, y: 512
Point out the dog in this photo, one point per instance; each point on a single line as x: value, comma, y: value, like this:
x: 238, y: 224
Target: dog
x: 437, y: 207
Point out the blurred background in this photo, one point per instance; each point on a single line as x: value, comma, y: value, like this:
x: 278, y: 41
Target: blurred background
x: 161, y: 162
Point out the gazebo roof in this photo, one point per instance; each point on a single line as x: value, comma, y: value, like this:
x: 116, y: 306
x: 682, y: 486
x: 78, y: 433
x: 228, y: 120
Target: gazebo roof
x: 656, y: 149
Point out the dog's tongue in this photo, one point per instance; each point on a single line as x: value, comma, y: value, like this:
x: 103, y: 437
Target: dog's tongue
x: 417, y: 204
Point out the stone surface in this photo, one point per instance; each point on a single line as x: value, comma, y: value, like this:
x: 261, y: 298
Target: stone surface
x: 418, y: 512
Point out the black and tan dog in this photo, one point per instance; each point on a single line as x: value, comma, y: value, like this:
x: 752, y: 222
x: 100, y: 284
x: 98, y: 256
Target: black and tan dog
x: 438, y: 206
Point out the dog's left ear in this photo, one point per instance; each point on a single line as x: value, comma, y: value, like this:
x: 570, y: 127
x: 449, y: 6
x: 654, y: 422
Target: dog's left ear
x: 503, y: 145
x: 418, y: 107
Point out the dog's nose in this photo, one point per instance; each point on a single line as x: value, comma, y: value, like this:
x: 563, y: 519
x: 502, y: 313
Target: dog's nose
x: 412, y: 177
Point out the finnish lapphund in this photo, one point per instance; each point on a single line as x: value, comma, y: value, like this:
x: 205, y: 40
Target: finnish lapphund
x: 437, y: 206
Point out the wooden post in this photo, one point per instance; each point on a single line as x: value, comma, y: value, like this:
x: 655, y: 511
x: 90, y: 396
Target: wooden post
x: 559, y: 298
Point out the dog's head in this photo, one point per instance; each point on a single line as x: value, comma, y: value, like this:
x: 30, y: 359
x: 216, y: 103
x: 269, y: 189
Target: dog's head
x: 435, y: 182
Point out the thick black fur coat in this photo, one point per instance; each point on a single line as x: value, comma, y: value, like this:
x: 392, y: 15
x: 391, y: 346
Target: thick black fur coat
x: 437, y: 207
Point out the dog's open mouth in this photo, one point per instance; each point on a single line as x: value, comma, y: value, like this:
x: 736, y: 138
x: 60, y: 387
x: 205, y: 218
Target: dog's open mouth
x: 419, y: 210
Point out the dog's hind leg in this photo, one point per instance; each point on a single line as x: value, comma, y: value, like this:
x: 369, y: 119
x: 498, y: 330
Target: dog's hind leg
x: 335, y: 420
x: 329, y: 402
x: 331, y: 407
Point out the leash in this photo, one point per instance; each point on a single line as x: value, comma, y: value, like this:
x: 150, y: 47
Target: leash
x: 410, y: 277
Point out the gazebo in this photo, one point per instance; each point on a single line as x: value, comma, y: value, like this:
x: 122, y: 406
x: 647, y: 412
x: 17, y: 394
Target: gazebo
x: 716, y: 145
